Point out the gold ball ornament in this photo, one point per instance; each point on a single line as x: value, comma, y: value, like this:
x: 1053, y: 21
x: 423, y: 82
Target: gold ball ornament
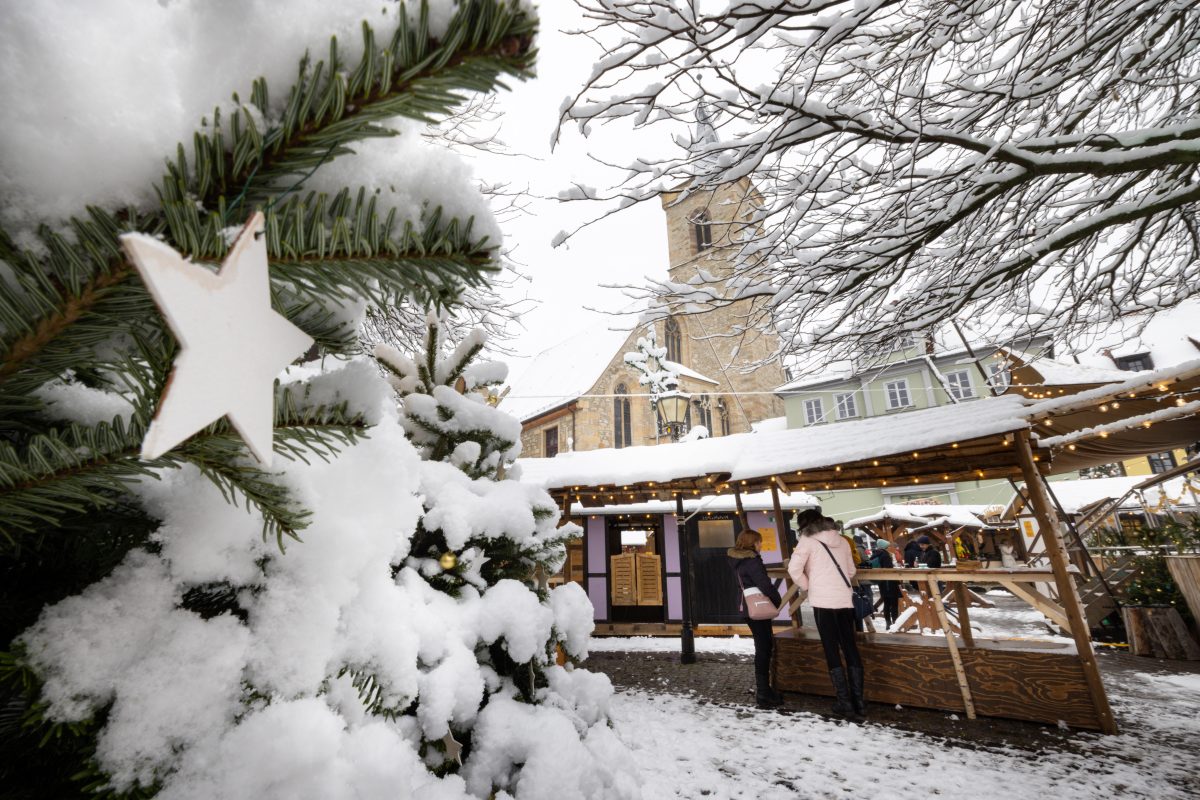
x: 448, y: 561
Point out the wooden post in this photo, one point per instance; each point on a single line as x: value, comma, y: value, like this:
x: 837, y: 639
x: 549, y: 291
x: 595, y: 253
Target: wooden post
x: 687, y: 642
x: 785, y: 550
x: 955, y: 656
x: 1068, y: 594
x: 785, y: 547
x: 741, y: 512
x: 964, y: 621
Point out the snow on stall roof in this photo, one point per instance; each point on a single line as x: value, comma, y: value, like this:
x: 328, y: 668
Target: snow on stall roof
x: 1064, y: 373
x: 563, y: 372
x: 753, y: 455
x: 928, y: 514
x: 1134, y: 382
x: 770, y: 425
x: 1077, y: 495
x: 754, y: 501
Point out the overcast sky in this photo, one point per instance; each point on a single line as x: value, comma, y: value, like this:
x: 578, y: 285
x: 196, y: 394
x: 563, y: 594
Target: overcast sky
x: 619, y: 249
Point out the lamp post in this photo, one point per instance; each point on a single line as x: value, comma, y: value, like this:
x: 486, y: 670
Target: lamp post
x: 671, y: 408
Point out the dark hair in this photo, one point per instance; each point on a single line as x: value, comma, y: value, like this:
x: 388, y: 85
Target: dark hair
x: 746, y: 539
x: 817, y: 524
x: 806, y: 516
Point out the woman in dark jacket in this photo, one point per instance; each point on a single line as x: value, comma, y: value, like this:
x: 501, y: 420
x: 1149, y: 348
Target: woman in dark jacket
x: 751, y: 574
x: 888, y: 590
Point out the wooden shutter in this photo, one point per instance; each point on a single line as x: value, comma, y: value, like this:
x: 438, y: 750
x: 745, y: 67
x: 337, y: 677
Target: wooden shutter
x: 623, y: 580
x: 649, y: 580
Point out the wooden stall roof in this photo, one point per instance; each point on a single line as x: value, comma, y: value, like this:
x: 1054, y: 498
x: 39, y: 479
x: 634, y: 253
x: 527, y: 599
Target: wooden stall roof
x: 970, y: 441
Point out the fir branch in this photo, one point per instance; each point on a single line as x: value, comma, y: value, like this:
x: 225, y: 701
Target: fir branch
x: 331, y: 106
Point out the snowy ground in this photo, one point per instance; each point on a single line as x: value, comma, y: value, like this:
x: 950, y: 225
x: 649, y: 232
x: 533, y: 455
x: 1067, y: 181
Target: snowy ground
x: 687, y: 750
x: 689, y: 745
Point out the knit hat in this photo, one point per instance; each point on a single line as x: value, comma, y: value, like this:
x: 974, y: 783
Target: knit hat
x: 924, y: 540
x: 882, y: 544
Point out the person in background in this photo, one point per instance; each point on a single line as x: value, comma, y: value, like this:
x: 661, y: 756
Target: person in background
x: 912, y: 551
x: 747, y: 564
x: 822, y: 565
x: 1008, y: 553
x: 930, y: 556
x: 889, y: 591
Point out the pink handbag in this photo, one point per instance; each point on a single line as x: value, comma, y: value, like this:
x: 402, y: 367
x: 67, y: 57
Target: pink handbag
x: 758, y: 606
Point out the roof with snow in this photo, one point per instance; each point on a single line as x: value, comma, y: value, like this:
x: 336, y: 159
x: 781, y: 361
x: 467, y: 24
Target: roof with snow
x: 1054, y: 372
x: 566, y: 371
x: 562, y: 373
x: 925, y: 515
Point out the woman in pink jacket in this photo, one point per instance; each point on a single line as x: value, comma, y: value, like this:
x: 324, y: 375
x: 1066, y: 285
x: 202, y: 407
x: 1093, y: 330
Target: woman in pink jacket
x: 823, y: 566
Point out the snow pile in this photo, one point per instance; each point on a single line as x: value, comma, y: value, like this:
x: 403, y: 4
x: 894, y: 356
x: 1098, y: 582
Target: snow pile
x: 259, y: 701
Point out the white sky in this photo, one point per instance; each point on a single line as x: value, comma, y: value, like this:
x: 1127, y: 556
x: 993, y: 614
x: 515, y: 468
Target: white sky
x: 620, y: 249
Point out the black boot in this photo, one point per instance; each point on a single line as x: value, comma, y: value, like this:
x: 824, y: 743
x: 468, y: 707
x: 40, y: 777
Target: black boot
x: 842, y: 705
x: 764, y: 695
x: 856, y: 691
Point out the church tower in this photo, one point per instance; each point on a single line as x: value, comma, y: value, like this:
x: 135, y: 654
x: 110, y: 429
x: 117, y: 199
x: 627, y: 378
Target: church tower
x: 723, y: 341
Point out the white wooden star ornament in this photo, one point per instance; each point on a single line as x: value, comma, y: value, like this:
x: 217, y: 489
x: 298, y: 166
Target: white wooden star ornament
x: 232, y: 344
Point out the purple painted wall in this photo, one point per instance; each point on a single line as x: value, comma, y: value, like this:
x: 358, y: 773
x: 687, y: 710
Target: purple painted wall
x: 597, y: 547
x: 670, y: 527
x: 762, y: 519
x: 674, y: 598
x: 598, y: 594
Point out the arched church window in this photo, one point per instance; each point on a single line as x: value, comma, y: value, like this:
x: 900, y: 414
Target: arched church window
x: 673, y: 340
x: 622, y: 426
x: 702, y: 230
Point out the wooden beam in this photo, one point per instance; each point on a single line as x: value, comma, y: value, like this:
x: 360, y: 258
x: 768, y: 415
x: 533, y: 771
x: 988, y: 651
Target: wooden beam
x: 741, y: 512
x: 785, y: 547
x: 1040, y: 602
x: 963, y: 685
x: 964, y: 621
x: 1067, y: 592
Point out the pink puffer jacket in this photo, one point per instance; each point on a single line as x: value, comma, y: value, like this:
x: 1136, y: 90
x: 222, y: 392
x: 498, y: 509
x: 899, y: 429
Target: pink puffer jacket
x: 813, y: 569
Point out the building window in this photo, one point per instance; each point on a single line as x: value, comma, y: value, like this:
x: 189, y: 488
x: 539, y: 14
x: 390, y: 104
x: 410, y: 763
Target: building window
x: 905, y: 341
x: 847, y: 406
x: 1161, y: 462
x: 674, y: 340
x: 550, y: 442
x: 702, y: 230
x: 959, y: 384
x: 1135, y: 363
x: 723, y: 413
x: 897, y: 394
x: 813, y: 412
x: 622, y: 427
x: 998, y: 375
x: 704, y: 412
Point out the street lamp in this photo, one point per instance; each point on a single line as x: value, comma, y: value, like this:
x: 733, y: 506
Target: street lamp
x: 672, y: 410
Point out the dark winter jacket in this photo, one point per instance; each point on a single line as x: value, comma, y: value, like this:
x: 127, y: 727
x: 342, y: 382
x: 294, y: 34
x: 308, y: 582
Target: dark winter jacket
x: 888, y: 590
x: 912, y: 553
x: 931, y: 558
x: 748, y: 566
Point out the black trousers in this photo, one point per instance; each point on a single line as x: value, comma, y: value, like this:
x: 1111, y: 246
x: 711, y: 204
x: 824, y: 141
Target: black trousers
x: 891, y: 610
x: 764, y: 641
x: 836, y: 626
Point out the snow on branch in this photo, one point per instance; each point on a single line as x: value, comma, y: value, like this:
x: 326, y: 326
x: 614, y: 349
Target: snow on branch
x: 1031, y: 163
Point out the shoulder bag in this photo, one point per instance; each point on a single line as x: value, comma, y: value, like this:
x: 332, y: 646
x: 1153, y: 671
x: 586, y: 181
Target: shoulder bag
x: 864, y: 603
x: 758, y: 605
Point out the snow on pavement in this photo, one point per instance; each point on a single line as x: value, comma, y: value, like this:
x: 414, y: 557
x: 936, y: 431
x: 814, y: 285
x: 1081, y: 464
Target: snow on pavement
x: 684, y: 749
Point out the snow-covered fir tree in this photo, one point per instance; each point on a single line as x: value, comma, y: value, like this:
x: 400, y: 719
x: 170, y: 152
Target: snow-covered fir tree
x: 199, y: 626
